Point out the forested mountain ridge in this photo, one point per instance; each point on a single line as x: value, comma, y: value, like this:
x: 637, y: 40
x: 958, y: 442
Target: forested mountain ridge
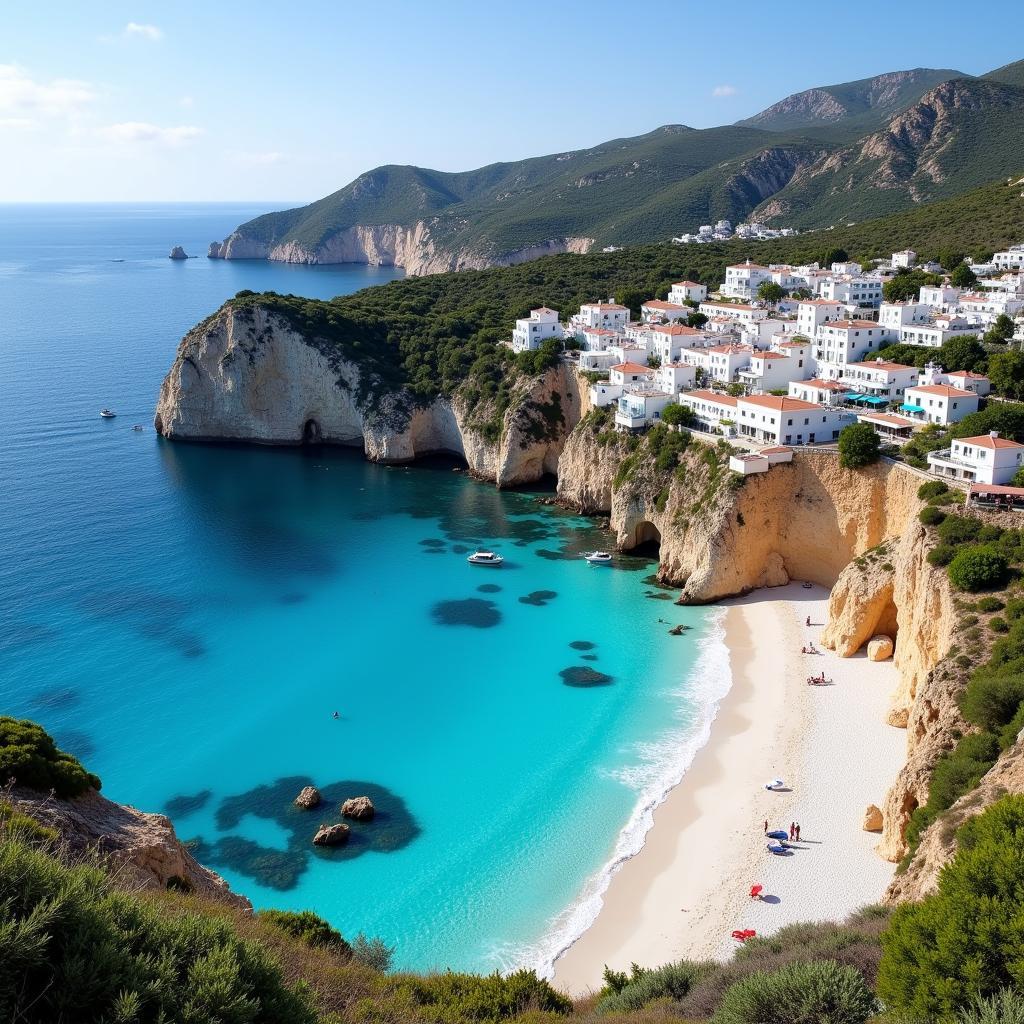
x: 829, y: 155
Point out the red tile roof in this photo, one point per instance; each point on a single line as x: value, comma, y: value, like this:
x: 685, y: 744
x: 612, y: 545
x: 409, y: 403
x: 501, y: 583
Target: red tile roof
x: 943, y: 389
x: 881, y: 364
x: 633, y: 368
x: 712, y: 396
x: 988, y: 441
x: 780, y: 403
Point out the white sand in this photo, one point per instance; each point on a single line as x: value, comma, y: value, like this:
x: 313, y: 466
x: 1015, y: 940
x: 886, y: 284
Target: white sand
x: 688, y: 888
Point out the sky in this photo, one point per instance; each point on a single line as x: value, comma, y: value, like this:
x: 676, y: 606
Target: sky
x: 226, y: 100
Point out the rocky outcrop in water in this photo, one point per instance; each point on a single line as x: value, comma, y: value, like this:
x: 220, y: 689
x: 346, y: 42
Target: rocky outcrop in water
x: 332, y: 835
x: 358, y: 808
x: 140, y: 850
x: 177, y: 253
x: 246, y: 375
x: 308, y: 798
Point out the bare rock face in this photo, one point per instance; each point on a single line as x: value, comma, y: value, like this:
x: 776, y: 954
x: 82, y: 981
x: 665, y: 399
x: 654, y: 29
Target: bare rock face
x: 245, y: 375
x: 359, y: 808
x: 141, y: 849
x: 308, y: 798
x: 880, y: 648
x: 177, y: 253
x: 872, y: 819
x: 332, y: 835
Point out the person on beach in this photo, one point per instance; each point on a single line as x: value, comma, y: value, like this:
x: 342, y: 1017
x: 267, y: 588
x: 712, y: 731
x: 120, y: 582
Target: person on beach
x: 792, y: 830
x: 808, y: 620
x: 798, y: 832
x: 766, y: 826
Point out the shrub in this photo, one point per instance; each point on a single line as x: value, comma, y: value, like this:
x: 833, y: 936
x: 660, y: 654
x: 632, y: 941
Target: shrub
x: 968, y: 620
x: 673, y: 981
x: 858, y: 446
x: 677, y: 415
x: 942, y: 554
x: 1005, y: 1007
x: 962, y: 942
x: 74, y: 949
x: 307, y: 926
x: 30, y: 757
x: 16, y: 825
x: 990, y: 604
x: 977, y: 568
x: 807, y: 993
x: 932, y: 489
x: 959, y: 529
x: 931, y: 516
x: 452, y: 997
x: 998, y: 624
x: 373, y: 953
x: 990, y: 701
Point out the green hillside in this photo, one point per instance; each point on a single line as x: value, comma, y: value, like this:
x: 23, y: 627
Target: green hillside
x: 1008, y: 74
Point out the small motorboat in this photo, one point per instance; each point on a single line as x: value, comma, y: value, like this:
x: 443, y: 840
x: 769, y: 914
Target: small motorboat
x: 599, y: 558
x: 774, y: 784
x: 107, y: 414
x: 485, y: 558
x: 138, y: 427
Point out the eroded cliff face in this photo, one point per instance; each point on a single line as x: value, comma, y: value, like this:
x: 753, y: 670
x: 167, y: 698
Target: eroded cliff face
x: 413, y: 247
x: 142, y: 850
x: 246, y: 375
x: 856, y: 532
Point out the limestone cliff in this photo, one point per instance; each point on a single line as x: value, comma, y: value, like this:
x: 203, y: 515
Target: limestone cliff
x: 142, y: 850
x: 412, y: 247
x: 855, y: 532
x: 246, y: 375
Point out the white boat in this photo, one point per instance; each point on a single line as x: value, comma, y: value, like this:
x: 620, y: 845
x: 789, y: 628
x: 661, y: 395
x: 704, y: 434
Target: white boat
x: 485, y: 558
x: 598, y: 558
x: 107, y: 414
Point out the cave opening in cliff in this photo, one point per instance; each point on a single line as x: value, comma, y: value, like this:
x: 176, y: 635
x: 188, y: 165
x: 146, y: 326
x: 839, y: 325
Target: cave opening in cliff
x: 311, y: 432
x: 647, y: 540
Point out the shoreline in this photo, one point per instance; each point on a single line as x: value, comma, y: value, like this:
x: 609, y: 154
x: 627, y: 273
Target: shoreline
x: 687, y: 887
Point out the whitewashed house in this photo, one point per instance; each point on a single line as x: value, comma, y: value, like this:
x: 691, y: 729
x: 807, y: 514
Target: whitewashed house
x: 687, y: 291
x: 905, y: 259
x: 725, y: 361
x: 743, y: 279
x: 676, y: 377
x: 1010, y: 259
x: 656, y: 309
x: 993, y: 303
x: 597, y: 360
x: 986, y: 459
x: 932, y: 335
x: 817, y: 391
x: 669, y: 340
x: 714, y: 411
x: 968, y: 380
x: 857, y: 293
x: 779, y: 420
x: 604, y: 314
x: 939, y: 403
x: 740, y: 312
x: 597, y: 339
x: 768, y: 371
x: 538, y: 327
x: 940, y: 296
x: 841, y: 342
x: 640, y: 407
x: 890, y: 427
x: 628, y: 374
x: 879, y: 379
x: 812, y: 313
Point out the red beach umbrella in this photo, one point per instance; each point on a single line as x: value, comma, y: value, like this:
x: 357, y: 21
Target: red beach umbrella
x: 755, y: 891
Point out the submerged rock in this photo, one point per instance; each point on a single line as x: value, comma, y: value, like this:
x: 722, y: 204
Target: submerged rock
x: 308, y: 798
x: 332, y: 835
x: 360, y: 808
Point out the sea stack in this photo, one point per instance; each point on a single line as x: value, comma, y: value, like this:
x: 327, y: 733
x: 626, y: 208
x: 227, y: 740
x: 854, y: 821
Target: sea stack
x: 178, y: 253
x: 360, y: 808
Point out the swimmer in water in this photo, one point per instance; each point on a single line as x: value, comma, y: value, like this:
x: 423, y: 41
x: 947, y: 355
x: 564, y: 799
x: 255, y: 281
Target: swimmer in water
x: 336, y: 715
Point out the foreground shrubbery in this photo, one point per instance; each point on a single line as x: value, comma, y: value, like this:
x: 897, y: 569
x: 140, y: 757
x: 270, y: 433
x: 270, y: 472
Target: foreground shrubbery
x: 29, y: 756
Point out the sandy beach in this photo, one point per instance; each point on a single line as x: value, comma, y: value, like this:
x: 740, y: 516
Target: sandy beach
x: 688, y: 888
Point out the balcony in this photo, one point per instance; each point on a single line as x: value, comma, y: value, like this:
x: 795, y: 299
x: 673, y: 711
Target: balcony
x: 943, y: 463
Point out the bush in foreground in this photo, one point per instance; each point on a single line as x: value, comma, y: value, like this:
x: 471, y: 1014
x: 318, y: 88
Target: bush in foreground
x: 963, y: 941
x: 858, y: 446
x: 672, y: 981
x: 307, y: 926
x: 29, y: 755
x: 807, y: 993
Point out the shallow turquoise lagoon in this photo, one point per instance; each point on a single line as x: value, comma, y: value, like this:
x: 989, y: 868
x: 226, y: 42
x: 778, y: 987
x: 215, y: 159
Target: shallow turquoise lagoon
x: 187, y: 619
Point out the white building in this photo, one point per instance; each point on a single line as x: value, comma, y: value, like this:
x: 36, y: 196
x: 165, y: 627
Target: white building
x: 993, y: 303
x: 760, y: 462
x: 817, y: 391
x: 841, y: 342
x: 940, y: 330
x: 597, y: 360
x: 687, y: 291
x: 1010, y: 259
x: 940, y: 296
x: 640, y: 407
x: 879, y: 379
x: 812, y: 313
x: 893, y: 316
x: 597, y: 339
x: 939, y: 403
x: 628, y: 374
x: 538, y: 327
x: 676, y: 377
x: 669, y: 340
x: 768, y: 371
x: 890, y: 427
x: 777, y: 420
x: 739, y: 312
x: 986, y: 459
x: 858, y: 293
x: 656, y: 309
x: 906, y: 259
x: 743, y: 279
x: 714, y: 411
x: 724, y: 361
x: 800, y: 352
x: 604, y: 314
x: 968, y: 380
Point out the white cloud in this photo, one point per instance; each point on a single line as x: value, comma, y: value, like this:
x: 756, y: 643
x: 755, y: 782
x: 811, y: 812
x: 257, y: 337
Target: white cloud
x: 724, y: 90
x: 150, y: 32
x: 186, y: 102
x: 144, y: 132
x: 22, y: 96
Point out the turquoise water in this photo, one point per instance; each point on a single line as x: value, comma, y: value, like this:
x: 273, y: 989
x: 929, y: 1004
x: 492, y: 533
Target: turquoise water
x: 187, y: 619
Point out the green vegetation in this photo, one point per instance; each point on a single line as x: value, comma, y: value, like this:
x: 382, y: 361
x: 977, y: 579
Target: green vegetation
x: 309, y: 927
x: 977, y: 567
x: 858, y: 446
x: 962, y: 942
x: 30, y: 757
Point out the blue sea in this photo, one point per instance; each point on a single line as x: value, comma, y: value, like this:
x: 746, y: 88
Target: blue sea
x: 187, y: 619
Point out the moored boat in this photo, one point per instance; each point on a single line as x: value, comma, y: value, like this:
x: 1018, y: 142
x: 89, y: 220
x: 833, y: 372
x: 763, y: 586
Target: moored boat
x: 598, y: 558
x: 107, y: 414
x: 485, y: 558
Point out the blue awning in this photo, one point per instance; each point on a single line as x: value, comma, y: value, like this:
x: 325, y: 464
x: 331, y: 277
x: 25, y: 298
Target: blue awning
x: 877, y: 401
x: 853, y: 396
x: 907, y: 407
